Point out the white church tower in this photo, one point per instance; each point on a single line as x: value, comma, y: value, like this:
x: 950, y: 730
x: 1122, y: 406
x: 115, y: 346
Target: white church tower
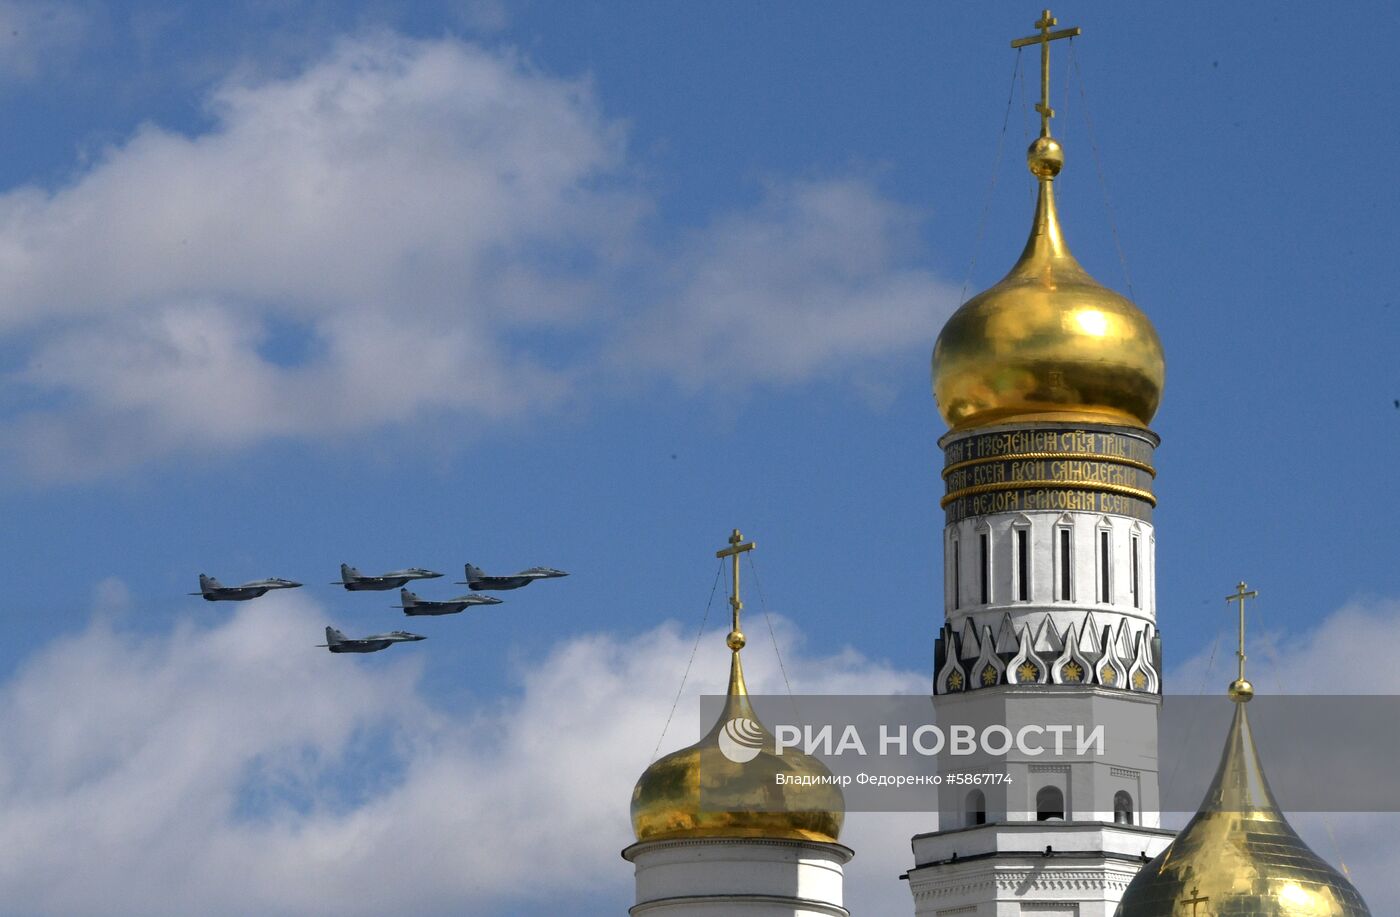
x: 1047, y: 381
x: 719, y: 836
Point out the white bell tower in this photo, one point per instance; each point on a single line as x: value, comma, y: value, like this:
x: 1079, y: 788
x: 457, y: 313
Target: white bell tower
x: 1048, y: 381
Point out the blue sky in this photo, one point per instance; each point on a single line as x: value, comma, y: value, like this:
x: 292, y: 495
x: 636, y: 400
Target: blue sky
x: 588, y: 285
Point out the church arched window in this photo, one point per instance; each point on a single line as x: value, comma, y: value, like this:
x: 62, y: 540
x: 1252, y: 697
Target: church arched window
x: 956, y: 571
x: 1021, y: 558
x: 1049, y: 804
x: 1064, y: 587
x: 1105, y: 584
x: 984, y: 565
x: 1135, y: 559
x: 976, y: 808
x: 1122, y: 808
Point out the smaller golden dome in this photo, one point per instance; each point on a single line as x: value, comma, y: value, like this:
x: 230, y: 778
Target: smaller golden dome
x: 1048, y: 342
x: 1239, y: 855
x: 702, y: 792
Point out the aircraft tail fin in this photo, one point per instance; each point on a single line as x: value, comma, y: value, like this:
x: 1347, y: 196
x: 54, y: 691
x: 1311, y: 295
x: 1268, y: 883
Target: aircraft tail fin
x: 334, y: 636
x: 408, y: 599
x: 475, y: 574
x: 208, y: 582
x: 348, y: 573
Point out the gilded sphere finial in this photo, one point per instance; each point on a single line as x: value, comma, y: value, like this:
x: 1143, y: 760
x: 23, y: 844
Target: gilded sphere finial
x: 1241, y: 691
x: 1045, y: 157
x: 736, y: 640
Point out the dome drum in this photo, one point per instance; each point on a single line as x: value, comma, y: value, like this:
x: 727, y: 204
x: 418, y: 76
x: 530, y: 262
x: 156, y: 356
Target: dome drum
x: 1049, y: 467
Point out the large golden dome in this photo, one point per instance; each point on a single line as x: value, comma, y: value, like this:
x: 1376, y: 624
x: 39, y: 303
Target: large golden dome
x: 1239, y: 855
x: 1048, y: 342
x: 700, y: 792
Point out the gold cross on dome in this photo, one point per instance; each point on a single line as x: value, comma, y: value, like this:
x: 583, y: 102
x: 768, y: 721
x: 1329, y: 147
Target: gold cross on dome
x: 1196, y: 900
x: 1240, y: 596
x: 737, y: 546
x: 1045, y: 24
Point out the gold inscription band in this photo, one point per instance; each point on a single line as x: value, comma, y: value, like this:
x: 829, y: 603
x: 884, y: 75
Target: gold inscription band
x: 1032, y: 456
x: 1146, y: 496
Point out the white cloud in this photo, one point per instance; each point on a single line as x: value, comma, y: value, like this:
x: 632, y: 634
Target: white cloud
x: 811, y: 282
x: 236, y: 769
x: 381, y: 205
x: 1320, y: 660
x: 410, y: 229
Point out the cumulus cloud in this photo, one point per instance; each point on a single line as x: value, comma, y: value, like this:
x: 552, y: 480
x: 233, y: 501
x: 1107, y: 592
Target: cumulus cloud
x: 1318, y: 660
x: 406, y: 229
x: 814, y: 280
x: 235, y: 769
x: 341, y: 250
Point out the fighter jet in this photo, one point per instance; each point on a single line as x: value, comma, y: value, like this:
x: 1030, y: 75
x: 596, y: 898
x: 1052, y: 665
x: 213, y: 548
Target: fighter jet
x: 413, y: 605
x: 480, y: 582
x: 355, y: 581
x: 337, y: 642
x: 214, y: 591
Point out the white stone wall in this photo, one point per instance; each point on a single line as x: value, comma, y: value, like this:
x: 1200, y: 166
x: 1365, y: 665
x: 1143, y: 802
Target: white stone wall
x: 1044, y: 572
x: 1088, y: 782
x: 1004, y: 870
x: 1117, y: 609
x: 754, y: 877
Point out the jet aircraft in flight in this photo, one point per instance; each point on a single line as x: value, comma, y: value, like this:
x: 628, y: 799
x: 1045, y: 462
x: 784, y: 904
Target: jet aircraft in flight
x: 214, y: 591
x: 479, y: 581
x: 355, y: 581
x: 413, y: 605
x: 337, y: 642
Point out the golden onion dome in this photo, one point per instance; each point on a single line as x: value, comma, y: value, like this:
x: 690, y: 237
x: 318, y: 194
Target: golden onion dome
x: 1048, y: 342
x: 703, y: 792
x: 1239, y: 855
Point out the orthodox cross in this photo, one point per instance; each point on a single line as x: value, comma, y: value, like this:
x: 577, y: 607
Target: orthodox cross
x: 737, y: 546
x: 1240, y: 596
x: 1196, y: 900
x: 1046, y: 23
